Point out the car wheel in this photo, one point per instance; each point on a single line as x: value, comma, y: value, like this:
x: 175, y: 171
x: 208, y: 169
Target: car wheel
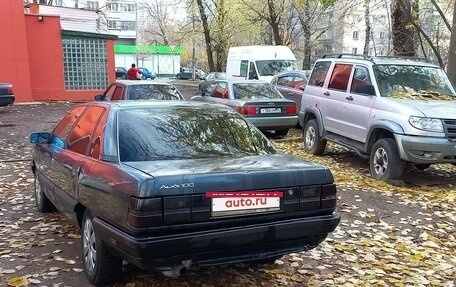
x: 100, y: 265
x: 178, y: 76
x: 43, y: 204
x: 313, y: 142
x: 282, y: 132
x: 385, y: 162
x: 124, y: 77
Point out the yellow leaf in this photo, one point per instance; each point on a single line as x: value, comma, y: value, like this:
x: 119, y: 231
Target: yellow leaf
x: 275, y: 271
x: 18, y: 281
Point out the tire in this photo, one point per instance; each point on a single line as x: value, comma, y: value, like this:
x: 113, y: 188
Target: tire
x: 313, y: 142
x: 385, y: 162
x: 43, y: 204
x: 282, y: 132
x: 100, y: 265
x: 178, y: 76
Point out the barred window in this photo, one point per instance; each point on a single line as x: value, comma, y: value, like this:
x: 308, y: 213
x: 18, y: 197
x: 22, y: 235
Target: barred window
x: 85, y: 63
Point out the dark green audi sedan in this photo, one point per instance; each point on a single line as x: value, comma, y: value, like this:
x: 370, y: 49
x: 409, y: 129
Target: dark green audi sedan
x: 167, y: 184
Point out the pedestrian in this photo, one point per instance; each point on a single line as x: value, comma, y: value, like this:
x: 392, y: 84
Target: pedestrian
x: 134, y: 73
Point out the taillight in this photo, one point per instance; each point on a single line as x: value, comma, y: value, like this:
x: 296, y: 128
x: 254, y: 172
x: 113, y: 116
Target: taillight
x: 247, y: 110
x: 145, y: 212
x: 328, y: 196
x: 10, y: 90
x: 291, y: 110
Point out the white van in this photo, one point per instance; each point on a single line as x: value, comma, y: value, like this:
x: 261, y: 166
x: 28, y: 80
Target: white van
x: 258, y: 62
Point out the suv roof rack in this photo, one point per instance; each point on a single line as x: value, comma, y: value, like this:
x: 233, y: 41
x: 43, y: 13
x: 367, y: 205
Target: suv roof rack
x: 399, y: 57
x: 348, y: 55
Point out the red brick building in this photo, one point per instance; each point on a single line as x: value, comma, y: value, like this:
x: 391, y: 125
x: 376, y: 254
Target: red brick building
x: 45, y: 62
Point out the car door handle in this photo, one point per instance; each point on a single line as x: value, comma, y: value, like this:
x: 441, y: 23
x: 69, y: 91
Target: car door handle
x: 326, y: 93
x: 349, y: 98
x: 290, y: 94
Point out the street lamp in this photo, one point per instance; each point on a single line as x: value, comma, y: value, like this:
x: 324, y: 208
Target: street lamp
x: 158, y: 63
x: 173, y: 47
x: 136, y: 32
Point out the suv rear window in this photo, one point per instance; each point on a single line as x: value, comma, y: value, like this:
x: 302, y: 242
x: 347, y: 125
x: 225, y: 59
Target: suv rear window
x: 186, y: 133
x: 319, y: 73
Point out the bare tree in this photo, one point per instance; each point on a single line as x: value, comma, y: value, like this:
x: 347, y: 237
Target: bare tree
x: 271, y: 12
x: 368, y: 26
x: 451, y: 68
x: 207, y: 34
x: 403, y: 34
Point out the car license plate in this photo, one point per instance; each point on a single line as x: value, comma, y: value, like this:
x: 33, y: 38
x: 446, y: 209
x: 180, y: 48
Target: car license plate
x: 270, y: 110
x: 235, y: 203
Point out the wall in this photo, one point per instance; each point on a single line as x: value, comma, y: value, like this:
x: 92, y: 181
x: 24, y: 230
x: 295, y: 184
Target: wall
x: 14, y: 66
x: 45, y: 56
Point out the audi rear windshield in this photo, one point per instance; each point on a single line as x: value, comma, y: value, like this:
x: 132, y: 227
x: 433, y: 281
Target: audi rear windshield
x: 186, y: 133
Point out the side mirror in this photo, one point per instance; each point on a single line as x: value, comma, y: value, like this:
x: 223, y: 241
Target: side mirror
x: 99, y: 98
x: 365, y: 89
x: 41, y: 138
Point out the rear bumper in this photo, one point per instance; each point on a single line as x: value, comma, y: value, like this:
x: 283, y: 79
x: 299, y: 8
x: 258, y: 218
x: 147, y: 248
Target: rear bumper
x: 223, y: 246
x: 274, y: 122
x: 6, y: 100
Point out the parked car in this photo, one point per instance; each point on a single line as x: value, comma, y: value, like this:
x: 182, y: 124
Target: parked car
x: 210, y: 79
x: 394, y: 111
x: 163, y: 184
x: 187, y: 74
x: 291, y: 84
x: 121, y: 73
x: 140, y: 90
x: 258, y: 101
x: 6, y: 94
x: 146, y: 74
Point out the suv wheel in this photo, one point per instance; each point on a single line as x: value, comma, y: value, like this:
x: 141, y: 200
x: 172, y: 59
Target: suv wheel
x: 385, y: 162
x: 313, y: 143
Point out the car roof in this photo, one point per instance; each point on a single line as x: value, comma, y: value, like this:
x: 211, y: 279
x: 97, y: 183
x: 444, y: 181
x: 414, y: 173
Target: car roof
x: 125, y: 105
x: 302, y: 72
x: 243, y: 81
x: 138, y: 82
x: 380, y: 60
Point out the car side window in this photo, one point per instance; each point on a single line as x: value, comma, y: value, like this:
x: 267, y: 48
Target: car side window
x: 285, y: 81
x: 244, y: 68
x: 360, y: 78
x: 319, y: 73
x: 299, y: 82
x: 63, y: 128
x: 117, y: 94
x: 81, y: 137
x: 340, y: 76
x: 110, y: 92
x: 97, y: 139
x: 221, y: 91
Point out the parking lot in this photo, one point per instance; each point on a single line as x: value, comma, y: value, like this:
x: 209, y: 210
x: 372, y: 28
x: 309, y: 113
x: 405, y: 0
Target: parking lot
x: 400, y: 233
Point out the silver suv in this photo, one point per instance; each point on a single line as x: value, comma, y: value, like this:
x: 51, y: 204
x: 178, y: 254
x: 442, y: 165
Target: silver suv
x: 392, y: 110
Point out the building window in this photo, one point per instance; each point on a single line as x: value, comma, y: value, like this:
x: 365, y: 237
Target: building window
x: 121, y: 25
x: 382, y: 35
x: 355, y: 35
x: 121, y: 7
x: 85, y: 63
x: 93, y: 5
x: 354, y: 50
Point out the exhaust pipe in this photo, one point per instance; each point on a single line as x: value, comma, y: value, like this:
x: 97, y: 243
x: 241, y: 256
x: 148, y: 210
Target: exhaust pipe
x: 178, y: 269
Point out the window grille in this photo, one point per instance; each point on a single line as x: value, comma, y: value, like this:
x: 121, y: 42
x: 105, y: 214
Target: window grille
x: 85, y: 63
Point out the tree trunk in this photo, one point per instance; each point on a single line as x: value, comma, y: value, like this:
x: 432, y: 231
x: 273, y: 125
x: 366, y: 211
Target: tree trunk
x: 368, y: 27
x: 403, y: 36
x: 207, y: 36
x: 274, y: 22
x: 451, y: 67
x: 305, y: 23
x: 221, y: 45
